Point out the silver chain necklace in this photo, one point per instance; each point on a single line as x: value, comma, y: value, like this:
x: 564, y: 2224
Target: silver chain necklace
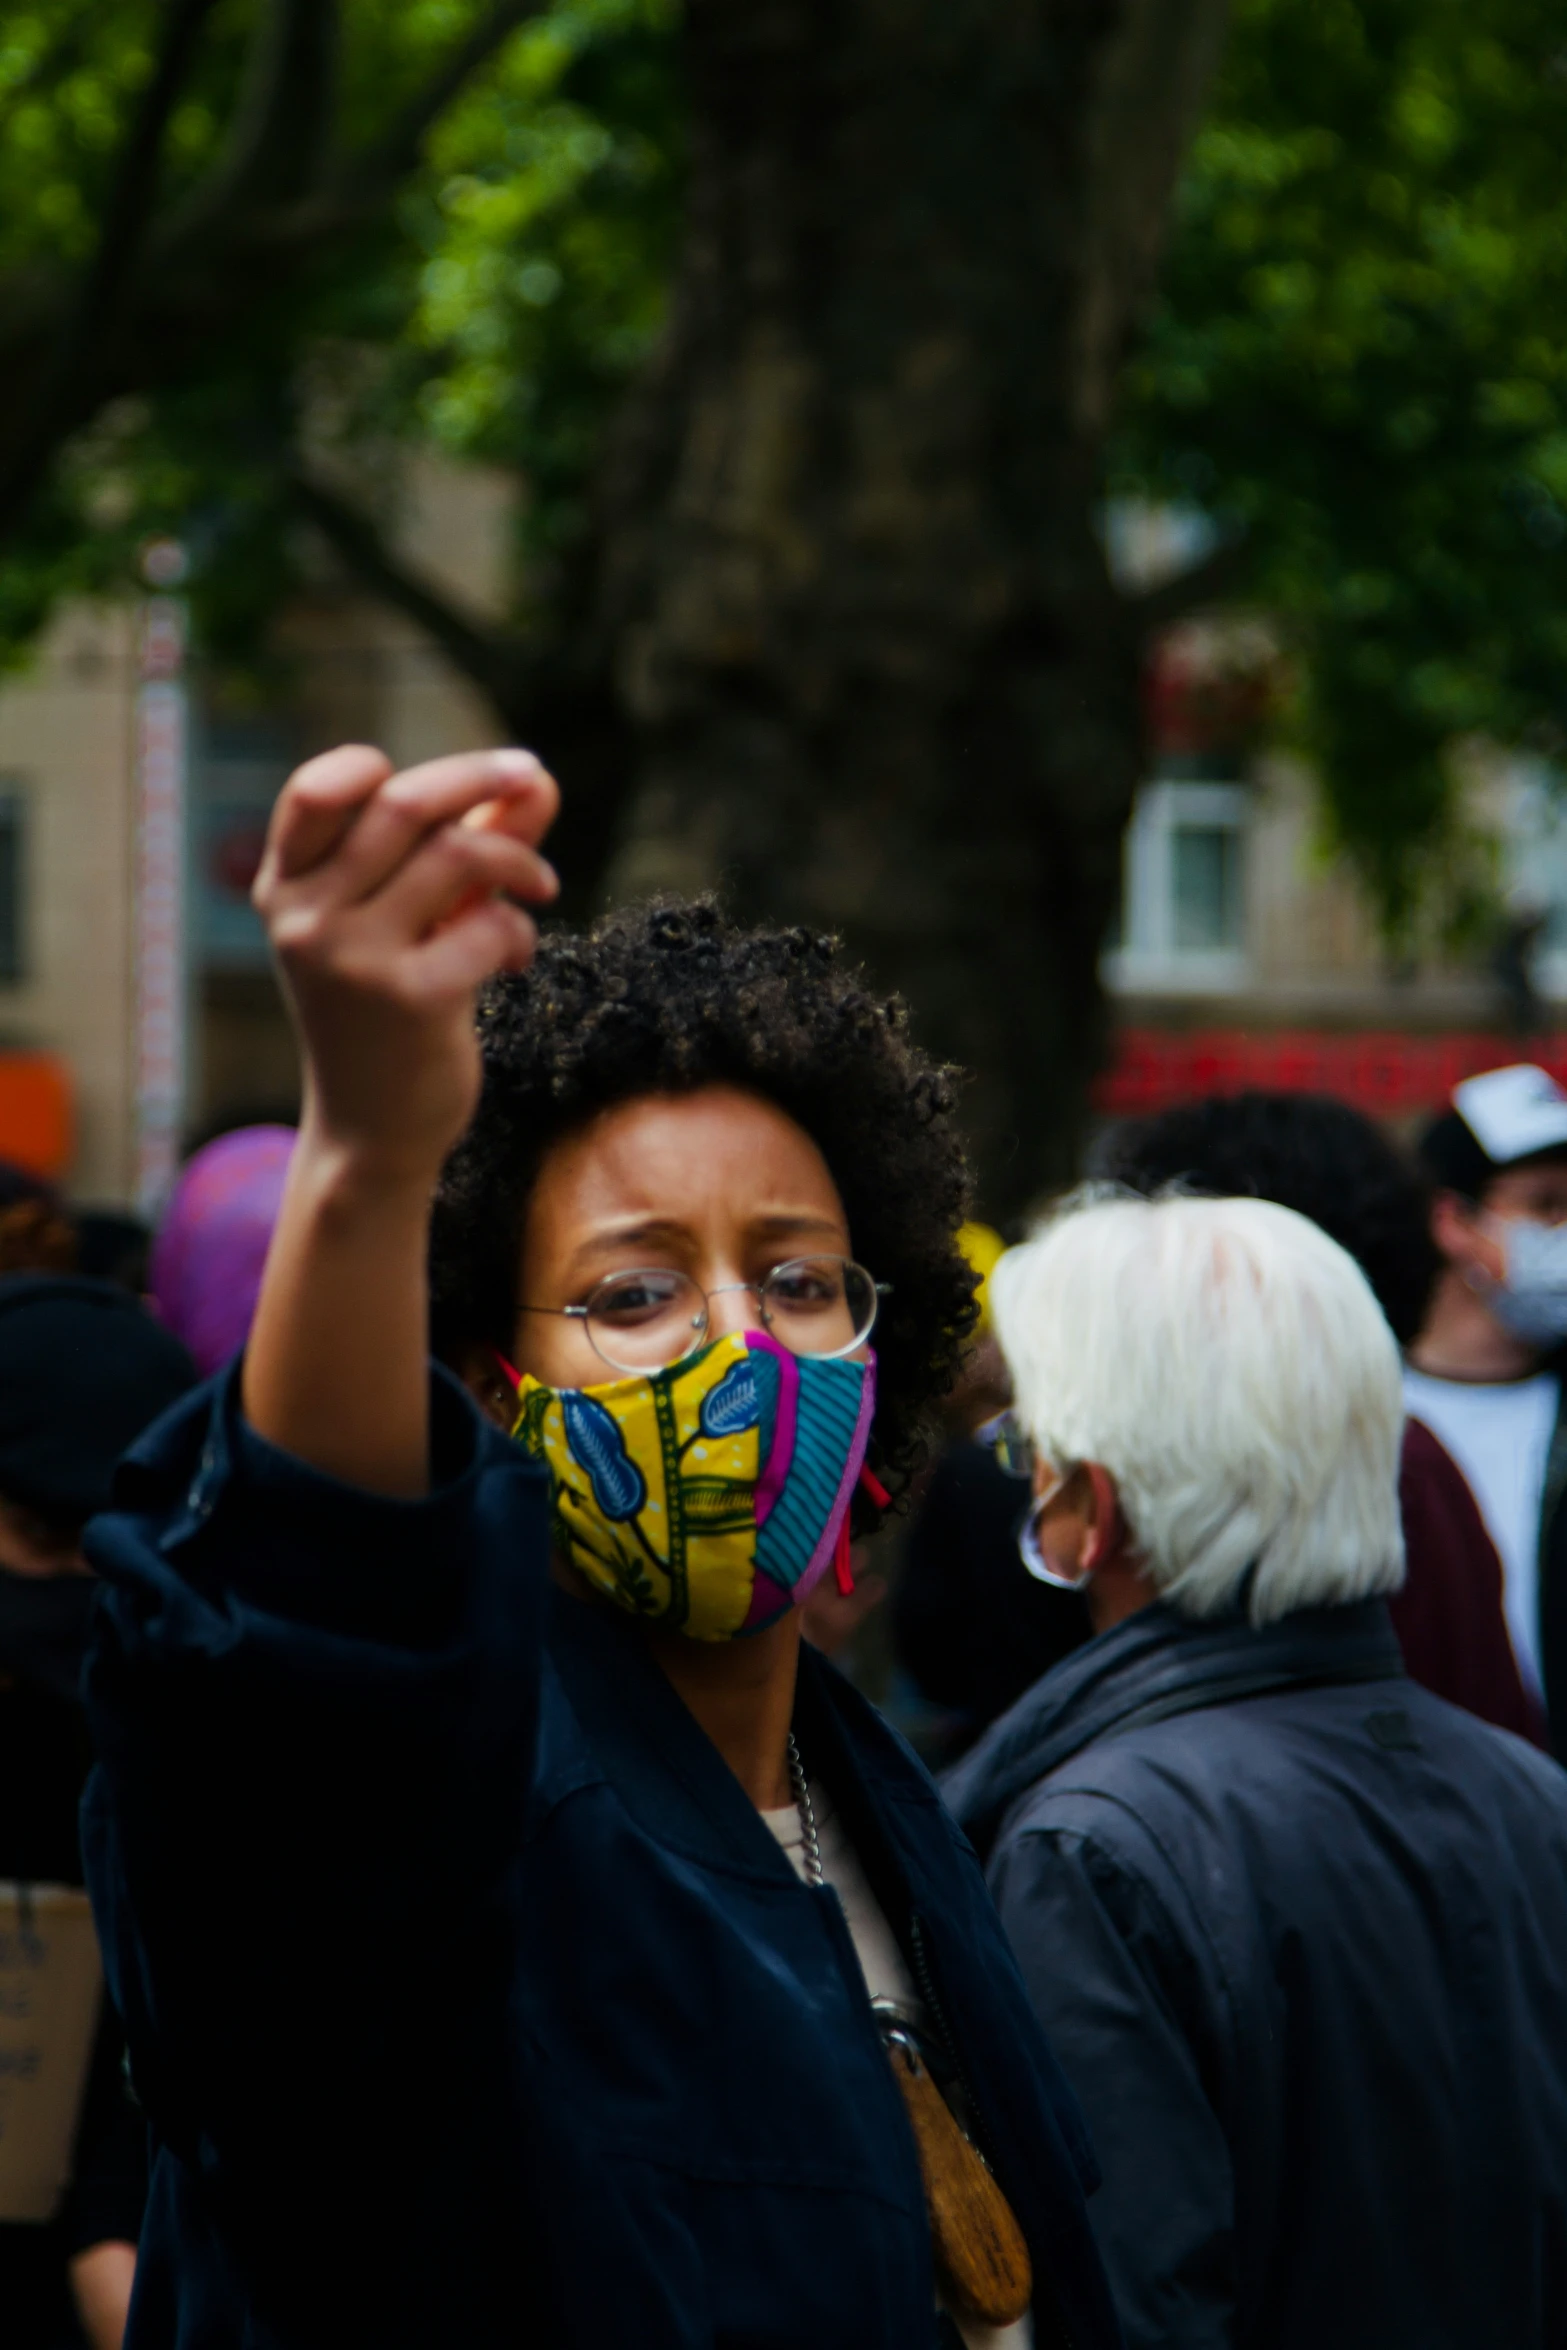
x: 810, y: 1842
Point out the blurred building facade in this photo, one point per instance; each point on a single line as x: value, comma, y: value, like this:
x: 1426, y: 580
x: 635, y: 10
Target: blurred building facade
x: 1244, y: 954
x: 73, y: 883
x: 1248, y: 955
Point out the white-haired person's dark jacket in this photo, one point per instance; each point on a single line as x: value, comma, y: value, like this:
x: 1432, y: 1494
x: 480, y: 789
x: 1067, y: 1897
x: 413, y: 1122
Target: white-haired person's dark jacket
x: 1298, y: 1932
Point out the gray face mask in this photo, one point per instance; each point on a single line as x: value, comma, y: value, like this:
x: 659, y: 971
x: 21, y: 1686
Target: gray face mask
x: 1531, y: 1297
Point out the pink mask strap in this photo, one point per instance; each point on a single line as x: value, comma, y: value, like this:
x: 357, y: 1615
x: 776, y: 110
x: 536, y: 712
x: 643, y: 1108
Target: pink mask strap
x: 514, y: 1376
x: 842, y: 1564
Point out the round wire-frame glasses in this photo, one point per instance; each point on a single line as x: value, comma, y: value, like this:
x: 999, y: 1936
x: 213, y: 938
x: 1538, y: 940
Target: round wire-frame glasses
x: 1009, y: 1443
x: 653, y: 1316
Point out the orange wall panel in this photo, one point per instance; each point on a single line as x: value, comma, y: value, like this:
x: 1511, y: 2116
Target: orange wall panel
x: 35, y: 1113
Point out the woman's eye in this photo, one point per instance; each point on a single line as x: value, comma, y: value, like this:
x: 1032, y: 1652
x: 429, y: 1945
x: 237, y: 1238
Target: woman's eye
x: 803, y: 1289
x: 638, y: 1298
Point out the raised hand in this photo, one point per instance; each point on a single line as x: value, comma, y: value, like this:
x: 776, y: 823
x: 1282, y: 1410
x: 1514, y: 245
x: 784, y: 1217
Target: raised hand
x: 389, y: 900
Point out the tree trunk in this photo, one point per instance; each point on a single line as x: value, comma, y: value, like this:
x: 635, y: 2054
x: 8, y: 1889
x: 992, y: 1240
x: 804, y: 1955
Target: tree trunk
x: 851, y: 581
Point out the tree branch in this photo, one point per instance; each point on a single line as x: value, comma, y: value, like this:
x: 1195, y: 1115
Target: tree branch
x: 398, y: 153
x: 1147, y: 98
x: 135, y: 189
x: 96, y: 309
x: 281, y: 125
x: 271, y: 199
x: 571, y: 715
x: 494, y: 662
x: 265, y: 212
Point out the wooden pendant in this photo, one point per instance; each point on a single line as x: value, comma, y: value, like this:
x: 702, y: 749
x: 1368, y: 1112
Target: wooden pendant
x: 981, y: 2253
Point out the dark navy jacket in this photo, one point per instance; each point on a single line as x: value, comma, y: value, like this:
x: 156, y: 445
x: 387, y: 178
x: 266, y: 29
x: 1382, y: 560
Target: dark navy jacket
x: 1298, y: 1932
x: 470, y: 2000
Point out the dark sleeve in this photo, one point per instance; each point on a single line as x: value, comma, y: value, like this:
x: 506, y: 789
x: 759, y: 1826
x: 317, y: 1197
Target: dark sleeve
x: 1109, y: 1980
x: 314, y: 1712
x: 1448, y: 1615
x: 108, y: 2191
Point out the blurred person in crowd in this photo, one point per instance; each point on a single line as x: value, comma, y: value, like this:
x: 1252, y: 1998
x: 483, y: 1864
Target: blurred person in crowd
x: 36, y: 1233
x: 972, y: 1627
x: 1294, y: 1924
x: 83, y: 1370
x: 211, y: 1245
x: 498, y: 1931
x: 112, y: 1245
x: 1330, y: 1163
x: 1485, y: 1371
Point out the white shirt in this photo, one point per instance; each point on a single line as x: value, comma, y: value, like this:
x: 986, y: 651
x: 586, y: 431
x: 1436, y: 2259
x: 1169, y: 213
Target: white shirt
x: 1499, y: 1433
x: 886, y: 1976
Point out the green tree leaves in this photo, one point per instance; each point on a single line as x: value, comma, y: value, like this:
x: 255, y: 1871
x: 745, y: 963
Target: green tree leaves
x: 490, y: 290
x: 1360, y: 363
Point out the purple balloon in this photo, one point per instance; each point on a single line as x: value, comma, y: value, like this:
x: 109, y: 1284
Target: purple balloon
x: 207, y: 1260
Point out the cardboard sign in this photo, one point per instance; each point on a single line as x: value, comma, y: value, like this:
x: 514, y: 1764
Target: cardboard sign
x: 51, y: 1988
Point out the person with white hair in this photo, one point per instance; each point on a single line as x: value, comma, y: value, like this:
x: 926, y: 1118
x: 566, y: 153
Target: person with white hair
x: 1294, y: 1924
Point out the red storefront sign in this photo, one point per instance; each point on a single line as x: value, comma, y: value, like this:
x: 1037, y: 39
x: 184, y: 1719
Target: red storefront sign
x: 1386, y: 1072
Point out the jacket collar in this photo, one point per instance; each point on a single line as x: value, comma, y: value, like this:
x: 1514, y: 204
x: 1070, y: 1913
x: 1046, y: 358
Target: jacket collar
x: 661, y: 1763
x: 1156, y: 1664
x: 674, y: 1783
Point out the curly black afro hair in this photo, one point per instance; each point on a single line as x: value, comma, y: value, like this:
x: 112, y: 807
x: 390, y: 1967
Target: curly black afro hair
x: 1310, y: 1153
x: 673, y: 995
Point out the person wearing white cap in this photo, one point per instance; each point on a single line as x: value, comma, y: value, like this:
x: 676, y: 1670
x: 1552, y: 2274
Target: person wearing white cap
x: 1485, y: 1372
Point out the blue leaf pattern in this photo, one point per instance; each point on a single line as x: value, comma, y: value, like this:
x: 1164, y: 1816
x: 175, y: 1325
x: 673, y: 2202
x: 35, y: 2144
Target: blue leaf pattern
x: 619, y: 1487
x: 731, y: 1406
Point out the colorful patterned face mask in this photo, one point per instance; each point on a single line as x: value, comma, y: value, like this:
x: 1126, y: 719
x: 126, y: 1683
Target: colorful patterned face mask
x: 712, y: 1495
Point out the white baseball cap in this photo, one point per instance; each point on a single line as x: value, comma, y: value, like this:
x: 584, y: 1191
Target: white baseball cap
x: 1513, y: 1113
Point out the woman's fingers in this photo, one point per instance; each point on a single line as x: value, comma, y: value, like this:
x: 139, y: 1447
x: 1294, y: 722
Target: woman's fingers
x: 317, y: 809
x: 451, y: 866
x: 491, y: 936
x: 404, y: 886
x: 345, y: 822
x: 529, y: 815
x: 492, y: 790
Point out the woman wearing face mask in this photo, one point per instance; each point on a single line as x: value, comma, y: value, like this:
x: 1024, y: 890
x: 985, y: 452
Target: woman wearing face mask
x: 1485, y: 1372
x: 496, y: 1892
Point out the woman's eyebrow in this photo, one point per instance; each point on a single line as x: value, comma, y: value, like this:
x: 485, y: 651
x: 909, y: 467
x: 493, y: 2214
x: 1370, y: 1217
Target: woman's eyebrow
x: 615, y: 1235
x: 668, y: 1230
x: 801, y: 1220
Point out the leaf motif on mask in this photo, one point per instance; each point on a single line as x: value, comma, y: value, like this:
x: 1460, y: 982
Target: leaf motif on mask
x: 718, y: 1505
x: 529, y: 1430
x: 732, y: 1405
x: 596, y: 1443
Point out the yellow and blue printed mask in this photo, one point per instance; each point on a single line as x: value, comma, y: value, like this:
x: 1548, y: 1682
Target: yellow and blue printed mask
x: 710, y: 1496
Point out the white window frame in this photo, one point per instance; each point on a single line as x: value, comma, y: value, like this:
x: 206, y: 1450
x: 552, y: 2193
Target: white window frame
x: 1148, y: 958
x: 1534, y: 862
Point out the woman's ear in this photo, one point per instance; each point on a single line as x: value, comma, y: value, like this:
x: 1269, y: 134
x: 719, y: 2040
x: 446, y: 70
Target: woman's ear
x: 479, y: 1369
